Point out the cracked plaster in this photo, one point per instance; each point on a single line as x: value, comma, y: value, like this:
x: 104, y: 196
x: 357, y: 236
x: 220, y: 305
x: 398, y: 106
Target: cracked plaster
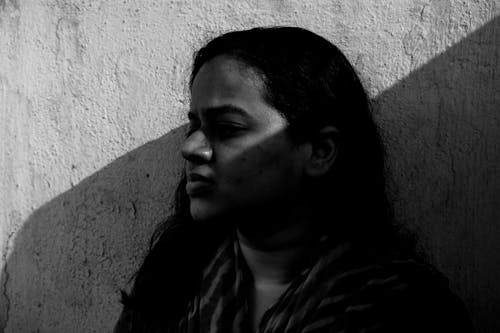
x: 92, y: 94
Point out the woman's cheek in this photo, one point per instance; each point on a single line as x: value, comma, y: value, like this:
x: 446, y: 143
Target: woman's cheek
x: 250, y: 167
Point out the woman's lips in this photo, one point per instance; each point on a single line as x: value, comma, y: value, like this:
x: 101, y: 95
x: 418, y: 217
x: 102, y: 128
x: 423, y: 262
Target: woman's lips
x: 198, y: 184
x: 198, y: 187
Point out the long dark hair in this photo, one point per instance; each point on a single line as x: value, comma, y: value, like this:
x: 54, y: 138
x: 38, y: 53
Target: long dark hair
x: 312, y: 84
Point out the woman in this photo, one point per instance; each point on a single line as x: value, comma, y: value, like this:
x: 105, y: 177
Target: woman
x: 282, y: 222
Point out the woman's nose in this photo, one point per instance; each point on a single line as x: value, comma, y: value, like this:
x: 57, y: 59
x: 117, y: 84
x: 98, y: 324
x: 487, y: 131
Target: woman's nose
x: 196, y: 148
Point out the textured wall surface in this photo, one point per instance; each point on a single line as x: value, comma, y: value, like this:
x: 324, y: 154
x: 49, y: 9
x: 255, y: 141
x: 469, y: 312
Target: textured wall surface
x: 92, y: 94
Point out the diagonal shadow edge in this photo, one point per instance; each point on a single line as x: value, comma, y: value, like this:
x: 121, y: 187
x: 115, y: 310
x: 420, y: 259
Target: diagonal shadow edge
x: 441, y: 127
x: 92, y: 229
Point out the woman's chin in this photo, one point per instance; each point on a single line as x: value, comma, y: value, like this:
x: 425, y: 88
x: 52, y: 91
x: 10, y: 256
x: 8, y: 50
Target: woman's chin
x: 202, y: 210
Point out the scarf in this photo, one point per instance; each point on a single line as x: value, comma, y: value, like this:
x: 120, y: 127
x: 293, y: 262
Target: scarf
x: 338, y: 291
x: 221, y: 305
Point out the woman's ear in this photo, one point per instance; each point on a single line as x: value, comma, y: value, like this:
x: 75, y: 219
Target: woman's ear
x: 324, y: 148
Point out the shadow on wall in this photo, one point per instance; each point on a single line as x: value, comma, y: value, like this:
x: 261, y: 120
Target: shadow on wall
x: 441, y: 125
x: 442, y: 128
x: 75, y: 252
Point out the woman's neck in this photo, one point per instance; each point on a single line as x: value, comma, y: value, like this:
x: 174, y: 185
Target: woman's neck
x: 276, y: 258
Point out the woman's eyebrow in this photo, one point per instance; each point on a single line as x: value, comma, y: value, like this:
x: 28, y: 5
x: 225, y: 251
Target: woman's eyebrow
x: 212, y: 112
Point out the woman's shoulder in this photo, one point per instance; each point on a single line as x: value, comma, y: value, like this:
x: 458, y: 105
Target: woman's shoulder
x: 396, y: 294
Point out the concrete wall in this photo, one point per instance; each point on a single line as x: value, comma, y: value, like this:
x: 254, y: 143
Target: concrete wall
x: 92, y: 94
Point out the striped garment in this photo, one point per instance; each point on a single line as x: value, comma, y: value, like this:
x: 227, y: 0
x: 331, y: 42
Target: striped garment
x: 336, y: 293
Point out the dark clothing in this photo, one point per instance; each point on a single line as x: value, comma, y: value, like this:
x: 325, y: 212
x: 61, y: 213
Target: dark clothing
x: 339, y: 291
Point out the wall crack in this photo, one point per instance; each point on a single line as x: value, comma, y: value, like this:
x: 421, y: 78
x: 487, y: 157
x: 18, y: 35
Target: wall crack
x: 5, y: 277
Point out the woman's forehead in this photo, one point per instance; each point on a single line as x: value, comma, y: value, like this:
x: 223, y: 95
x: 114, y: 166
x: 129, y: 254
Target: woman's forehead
x: 227, y: 75
x: 225, y: 81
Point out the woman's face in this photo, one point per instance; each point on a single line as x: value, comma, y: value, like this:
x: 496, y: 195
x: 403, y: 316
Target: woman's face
x: 240, y: 161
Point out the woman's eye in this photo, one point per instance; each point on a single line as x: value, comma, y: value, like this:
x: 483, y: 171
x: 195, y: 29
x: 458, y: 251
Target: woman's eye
x: 222, y: 130
x: 228, y: 129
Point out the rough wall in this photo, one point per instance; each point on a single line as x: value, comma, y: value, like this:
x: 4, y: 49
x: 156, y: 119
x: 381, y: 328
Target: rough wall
x: 92, y: 94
